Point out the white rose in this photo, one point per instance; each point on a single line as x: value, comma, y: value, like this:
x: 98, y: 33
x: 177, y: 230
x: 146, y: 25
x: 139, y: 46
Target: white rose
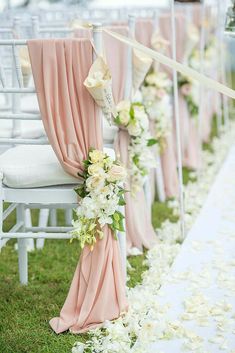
x: 78, y: 347
x: 134, y: 129
x: 138, y: 110
x: 124, y: 117
x: 124, y: 105
x: 96, y: 156
x: 144, y: 122
x: 95, y: 182
x: 95, y: 169
x: 88, y: 208
x: 150, y: 79
x: 104, y: 219
x: 116, y: 173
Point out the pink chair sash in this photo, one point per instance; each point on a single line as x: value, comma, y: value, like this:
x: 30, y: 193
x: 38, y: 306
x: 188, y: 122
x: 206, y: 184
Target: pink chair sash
x: 73, y: 125
x: 211, y: 98
x: 189, y: 133
x: 143, y: 31
x: 139, y: 230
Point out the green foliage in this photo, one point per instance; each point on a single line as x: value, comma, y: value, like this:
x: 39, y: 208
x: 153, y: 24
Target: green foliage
x: 152, y: 142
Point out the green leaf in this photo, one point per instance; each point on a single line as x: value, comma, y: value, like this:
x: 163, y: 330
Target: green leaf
x: 137, y: 104
x: 81, y: 175
x: 135, y: 160
x: 121, y: 226
x: 117, y: 120
x: 120, y: 214
x: 122, y: 191
x: 116, y: 216
x: 132, y: 113
x: 80, y: 190
x: 121, y: 201
x: 151, y: 142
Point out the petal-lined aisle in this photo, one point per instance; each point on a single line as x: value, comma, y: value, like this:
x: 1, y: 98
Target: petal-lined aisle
x: 201, y: 285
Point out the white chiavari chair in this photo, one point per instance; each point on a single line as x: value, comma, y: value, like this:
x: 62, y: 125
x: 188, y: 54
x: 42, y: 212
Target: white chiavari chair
x: 10, y: 127
x: 25, y: 185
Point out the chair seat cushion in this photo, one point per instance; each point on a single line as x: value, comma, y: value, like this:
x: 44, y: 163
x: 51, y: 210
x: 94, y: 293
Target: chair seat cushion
x: 34, y: 166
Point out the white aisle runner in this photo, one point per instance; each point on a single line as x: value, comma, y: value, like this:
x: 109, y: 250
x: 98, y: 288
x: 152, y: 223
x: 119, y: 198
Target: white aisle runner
x: 201, y: 286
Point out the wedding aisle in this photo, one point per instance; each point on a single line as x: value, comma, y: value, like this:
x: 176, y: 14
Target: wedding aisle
x: 200, y: 288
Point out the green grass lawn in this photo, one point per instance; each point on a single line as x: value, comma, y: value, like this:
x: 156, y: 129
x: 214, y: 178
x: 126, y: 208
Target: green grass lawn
x: 26, y: 310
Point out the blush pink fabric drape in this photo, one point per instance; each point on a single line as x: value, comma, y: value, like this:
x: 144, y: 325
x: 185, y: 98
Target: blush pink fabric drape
x: 139, y: 230
x: 73, y: 125
x: 189, y: 133
x: 211, y: 99
x: 144, y: 29
x: 144, y: 32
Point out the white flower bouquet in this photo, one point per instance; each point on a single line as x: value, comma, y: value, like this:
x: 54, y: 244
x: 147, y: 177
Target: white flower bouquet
x: 156, y: 93
x: 190, y: 90
x: 133, y: 118
x: 101, y: 196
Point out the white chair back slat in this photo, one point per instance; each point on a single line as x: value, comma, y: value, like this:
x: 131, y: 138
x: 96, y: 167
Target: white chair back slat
x: 16, y: 89
x: 2, y: 75
x: 23, y: 141
x: 21, y: 116
x: 16, y: 63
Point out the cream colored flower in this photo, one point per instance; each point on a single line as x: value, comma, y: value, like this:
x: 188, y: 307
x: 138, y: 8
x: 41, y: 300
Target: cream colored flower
x: 116, y: 173
x: 95, y: 169
x: 96, y: 156
x: 95, y: 182
x: 134, y: 129
x: 124, y: 117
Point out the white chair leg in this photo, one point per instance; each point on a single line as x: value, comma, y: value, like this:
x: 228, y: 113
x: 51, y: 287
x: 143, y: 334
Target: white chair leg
x: 160, y: 181
x: 22, y: 248
x: 68, y: 216
x: 43, y: 222
x: 28, y: 223
x: 53, y: 217
x: 23, y: 260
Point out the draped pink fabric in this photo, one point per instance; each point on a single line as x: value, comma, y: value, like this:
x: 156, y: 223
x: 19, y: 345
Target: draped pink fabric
x: 189, y: 133
x: 144, y: 29
x: 210, y: 98
x: 73, y: 125
x: 139, y: 230
x: 143, y: 33
x: 82, y: 33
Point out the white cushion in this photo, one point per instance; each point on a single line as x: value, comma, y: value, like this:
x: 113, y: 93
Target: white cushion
x: 26, y: 129
x: 34, y: 166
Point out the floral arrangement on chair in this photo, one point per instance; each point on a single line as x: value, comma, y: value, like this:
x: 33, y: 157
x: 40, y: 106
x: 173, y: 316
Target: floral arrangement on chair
x: 133, y: 118
x: 156, y: 92
x: 101, y: 197
x: 190, y: 90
